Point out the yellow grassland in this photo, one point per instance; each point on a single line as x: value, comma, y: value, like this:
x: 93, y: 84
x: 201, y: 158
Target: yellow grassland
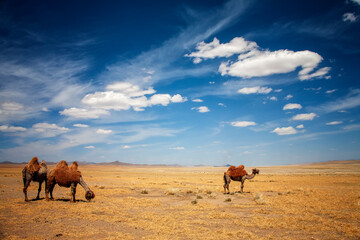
x: 286, y: 202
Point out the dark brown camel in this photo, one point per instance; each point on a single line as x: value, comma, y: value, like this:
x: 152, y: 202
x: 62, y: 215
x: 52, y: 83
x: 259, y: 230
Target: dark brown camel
x: 35, y: 172
x: 66, y: 176
x: 237, y: 174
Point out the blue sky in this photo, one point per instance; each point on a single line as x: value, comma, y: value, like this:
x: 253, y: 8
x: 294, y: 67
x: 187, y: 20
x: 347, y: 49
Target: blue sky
x: 180, y: 82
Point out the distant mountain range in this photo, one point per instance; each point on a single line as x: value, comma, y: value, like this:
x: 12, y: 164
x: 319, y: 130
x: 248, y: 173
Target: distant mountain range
x: 117, y: 163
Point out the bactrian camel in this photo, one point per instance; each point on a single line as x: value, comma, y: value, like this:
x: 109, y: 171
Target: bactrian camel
x: 237, y: 174
x: 66, y: 176
x: 36, y: 172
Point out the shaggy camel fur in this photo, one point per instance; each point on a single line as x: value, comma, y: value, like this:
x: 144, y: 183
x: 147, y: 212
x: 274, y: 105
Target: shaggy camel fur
x: 66, y: 176
x: 36, y: 172
x: 237, y: 174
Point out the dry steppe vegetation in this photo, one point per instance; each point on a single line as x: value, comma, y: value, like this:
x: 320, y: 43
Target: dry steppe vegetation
x: 316, y: 201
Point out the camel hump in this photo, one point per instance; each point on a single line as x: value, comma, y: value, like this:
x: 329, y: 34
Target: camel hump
x: 62, y: 164
x: 74, y: 166
x: 237, y: 171
x: 33, y: 165
x: 43, y: 164
x: 231, y: 168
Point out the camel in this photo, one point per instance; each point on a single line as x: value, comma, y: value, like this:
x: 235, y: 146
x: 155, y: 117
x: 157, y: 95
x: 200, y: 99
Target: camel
x: 35, y: 172
x: 237, y: 174
x: 66, y: 176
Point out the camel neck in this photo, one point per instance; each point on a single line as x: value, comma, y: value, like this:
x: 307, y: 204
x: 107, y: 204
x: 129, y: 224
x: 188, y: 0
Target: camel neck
x: 83, y: 184
x: 250, y: 176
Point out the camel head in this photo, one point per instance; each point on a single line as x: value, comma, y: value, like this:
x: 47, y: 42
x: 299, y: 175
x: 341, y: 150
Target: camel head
x: 255, y: 171
x: 89, y: 195
x: 43, y: 164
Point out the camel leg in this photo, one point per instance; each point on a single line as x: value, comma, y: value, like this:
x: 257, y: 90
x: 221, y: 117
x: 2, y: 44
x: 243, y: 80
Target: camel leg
x: 26, y: 181
x: 227, y: 181
x: 242, y: 185
x: 49, y: 189
x: 26, y: 185
x: 73, y: 192
x: 45, y: 185
x: 38, y: 195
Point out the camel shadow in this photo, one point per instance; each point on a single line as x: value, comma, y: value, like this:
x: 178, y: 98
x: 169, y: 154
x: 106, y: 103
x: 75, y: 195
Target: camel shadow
x: 68, y: 200
x: 36, y: 199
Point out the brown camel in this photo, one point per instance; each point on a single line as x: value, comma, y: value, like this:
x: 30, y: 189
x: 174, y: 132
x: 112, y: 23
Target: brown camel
x: 66, y: 176
x: 36, y: 172
x: 237, y: 174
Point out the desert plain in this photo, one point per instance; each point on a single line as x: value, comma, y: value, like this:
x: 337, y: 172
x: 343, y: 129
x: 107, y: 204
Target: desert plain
x: 314, y: 201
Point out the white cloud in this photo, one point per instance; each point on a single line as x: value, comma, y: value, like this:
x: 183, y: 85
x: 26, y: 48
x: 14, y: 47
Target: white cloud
x: 49, y: 130
x: 254, y: 62
x: 89, y: 147
x: 281, y: 61
x: 330, y: 91
x: 221, y: 104
x: 289, y: 96
x: 301, y: 126
x: 197, y: 100
x: 126, y: 147
x: 84, y: 113
x: 273, y: 98
x: 202, y: 109
x: 125, y: 95
x: 242, y: 124
x: 160, y: 99
x: 11, y: 106
x: 103, y: 131
x: 304, y: 116
x: 257, y: 89
x: 177, y: 148
x: 80, y: 125
x: 216, y: 49
x: 177, y: 98
x: 5, y: 128
x: 290, y: 106
x: 278, y: 90
x: 285, y: 131
x: 334, y: 123
x: 349, y: 17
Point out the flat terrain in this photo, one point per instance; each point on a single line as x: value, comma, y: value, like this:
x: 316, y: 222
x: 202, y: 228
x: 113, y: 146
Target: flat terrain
x: 316, y: 201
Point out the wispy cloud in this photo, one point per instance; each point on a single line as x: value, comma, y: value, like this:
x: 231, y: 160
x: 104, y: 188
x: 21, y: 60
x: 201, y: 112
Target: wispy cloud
x: 351, y: 100
x: 205, y: 26
x: 257, y: 89
x: 349, y: 17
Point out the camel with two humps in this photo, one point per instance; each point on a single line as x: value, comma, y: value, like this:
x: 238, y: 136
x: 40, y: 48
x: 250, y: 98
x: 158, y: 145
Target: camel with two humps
x: 237, y: 174
x: 66, y: 176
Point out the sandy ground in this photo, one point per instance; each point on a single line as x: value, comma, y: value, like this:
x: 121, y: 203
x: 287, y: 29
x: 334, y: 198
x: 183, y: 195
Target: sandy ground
x: 289, y: 202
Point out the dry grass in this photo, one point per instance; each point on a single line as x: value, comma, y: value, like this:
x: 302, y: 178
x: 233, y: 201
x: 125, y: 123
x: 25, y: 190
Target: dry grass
x: 304, y: 202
